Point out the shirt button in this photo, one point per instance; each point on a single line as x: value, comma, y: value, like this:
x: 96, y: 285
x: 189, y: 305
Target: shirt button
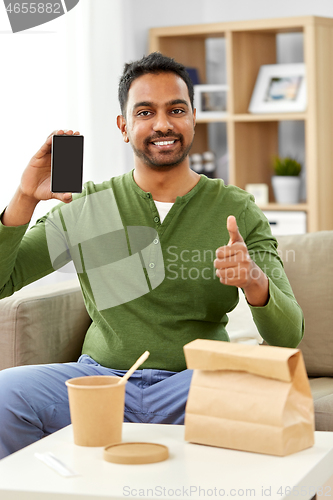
x: 148, y: 195
x: 155, y: 241
x: 156, y: 219
x: 152, y: 265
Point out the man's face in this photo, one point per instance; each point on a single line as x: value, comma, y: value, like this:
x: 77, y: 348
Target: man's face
x: 159, y: 120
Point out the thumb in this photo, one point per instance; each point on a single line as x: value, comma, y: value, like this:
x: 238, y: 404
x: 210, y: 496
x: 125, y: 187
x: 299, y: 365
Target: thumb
x: 234, y: 234
x: 67, y: 197
x: 64, y: 197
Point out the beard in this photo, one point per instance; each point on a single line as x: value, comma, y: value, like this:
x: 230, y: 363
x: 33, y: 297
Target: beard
x: 163, y: 159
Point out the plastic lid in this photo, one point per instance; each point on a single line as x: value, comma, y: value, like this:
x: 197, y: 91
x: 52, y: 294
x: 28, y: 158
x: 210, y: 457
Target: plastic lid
x: 135, y: 453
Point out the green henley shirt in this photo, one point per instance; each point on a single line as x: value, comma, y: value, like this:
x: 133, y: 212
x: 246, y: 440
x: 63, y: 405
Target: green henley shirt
x: 147, y: 285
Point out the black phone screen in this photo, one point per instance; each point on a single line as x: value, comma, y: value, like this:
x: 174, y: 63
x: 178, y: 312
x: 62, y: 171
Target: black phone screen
x: 67, y: 164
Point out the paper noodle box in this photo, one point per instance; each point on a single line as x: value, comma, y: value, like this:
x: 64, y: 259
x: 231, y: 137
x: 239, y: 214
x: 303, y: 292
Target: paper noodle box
x: 250, y: 398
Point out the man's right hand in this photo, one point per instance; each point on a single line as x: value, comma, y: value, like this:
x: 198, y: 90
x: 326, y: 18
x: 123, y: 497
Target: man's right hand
x: 35, y: 186
x: 36, y: 178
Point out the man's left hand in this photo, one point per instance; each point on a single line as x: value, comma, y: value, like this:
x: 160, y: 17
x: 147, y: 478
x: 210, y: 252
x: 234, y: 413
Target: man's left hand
x: 235, y: 267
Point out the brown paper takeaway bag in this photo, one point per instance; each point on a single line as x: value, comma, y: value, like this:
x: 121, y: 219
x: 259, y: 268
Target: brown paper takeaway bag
x: 248, y: 397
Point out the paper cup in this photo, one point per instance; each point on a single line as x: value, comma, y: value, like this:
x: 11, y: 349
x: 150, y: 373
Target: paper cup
x: 96, y: 406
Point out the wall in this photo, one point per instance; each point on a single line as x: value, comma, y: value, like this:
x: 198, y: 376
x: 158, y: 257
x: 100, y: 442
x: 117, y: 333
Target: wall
x: 144, y: 14
x: 94, y: 64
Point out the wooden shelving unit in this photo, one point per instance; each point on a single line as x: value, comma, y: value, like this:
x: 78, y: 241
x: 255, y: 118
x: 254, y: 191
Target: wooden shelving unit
x: 303, y: 207
x: 253, y: 139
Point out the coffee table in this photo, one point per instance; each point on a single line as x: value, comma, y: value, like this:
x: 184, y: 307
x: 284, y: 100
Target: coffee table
x: 192, y: 471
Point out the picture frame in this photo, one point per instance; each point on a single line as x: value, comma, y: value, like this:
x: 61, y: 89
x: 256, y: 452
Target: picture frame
x: 280, y: 88
x: 210, y: 101
x: 259, y: 191
x: 193, y: 74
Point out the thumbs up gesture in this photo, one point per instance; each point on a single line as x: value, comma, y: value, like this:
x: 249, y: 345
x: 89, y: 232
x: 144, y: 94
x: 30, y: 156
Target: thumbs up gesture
x: 233, y: 231
x: 235, y: 267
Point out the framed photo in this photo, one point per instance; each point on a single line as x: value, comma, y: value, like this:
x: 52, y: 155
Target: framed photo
x: 210, y: 101
x: 194, y: 75
x: 280, y: 88
x: 259, y: 191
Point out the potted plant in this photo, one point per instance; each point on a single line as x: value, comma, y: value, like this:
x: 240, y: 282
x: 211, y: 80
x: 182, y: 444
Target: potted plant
x: 287, y: 181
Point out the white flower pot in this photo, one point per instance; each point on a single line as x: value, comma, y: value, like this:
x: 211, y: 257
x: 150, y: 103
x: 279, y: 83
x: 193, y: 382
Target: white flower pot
x: 286, y: 188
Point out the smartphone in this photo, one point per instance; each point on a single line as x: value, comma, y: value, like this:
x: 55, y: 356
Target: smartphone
x: 67, y: 163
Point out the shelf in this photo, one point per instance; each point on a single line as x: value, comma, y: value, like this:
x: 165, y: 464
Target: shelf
x: 221, y: 119
x: 299, y: 207
x: 269, y: 117
x: 252, y: 140
x: 279, y: 25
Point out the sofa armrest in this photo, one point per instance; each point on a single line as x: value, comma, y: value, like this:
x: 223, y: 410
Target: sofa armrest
x: 46, y: 324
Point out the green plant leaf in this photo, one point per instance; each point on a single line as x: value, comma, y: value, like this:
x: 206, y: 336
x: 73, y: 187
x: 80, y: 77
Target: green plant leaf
x: 286, y: 166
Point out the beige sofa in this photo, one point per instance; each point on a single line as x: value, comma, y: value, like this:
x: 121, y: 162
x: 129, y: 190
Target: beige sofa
x: 48, y: 324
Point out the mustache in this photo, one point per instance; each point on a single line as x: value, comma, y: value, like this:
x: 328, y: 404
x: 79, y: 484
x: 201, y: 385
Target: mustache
x: 160, y: 135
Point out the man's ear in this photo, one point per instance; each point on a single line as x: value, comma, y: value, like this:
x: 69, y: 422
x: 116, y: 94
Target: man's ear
x: 194, y: 117
x: 121, y: 123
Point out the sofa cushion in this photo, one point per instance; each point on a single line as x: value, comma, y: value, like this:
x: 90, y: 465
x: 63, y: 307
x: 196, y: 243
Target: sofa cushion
x: 308, y: 263
x: 46, y: 324
x: 322, y: 392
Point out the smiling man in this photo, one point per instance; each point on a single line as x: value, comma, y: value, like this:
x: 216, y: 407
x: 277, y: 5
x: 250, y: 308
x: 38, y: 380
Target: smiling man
x: 162, y: 125
x: 158, y: 121
x: 160, y: 252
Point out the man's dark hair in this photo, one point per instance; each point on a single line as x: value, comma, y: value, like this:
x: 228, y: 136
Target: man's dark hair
x: 153, y: 63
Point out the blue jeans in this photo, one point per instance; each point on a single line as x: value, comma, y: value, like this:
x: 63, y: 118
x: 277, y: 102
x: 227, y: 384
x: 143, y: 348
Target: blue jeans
x: 34, y: 399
